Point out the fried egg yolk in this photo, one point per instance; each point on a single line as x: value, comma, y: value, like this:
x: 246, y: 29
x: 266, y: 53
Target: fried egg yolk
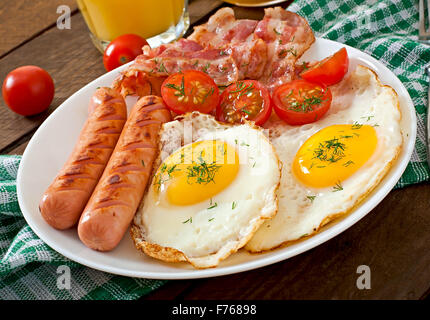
x: 333, y: 154
x: 196, y: 172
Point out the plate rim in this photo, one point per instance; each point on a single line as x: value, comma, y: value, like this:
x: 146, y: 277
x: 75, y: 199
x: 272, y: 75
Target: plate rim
x: 345, y: 223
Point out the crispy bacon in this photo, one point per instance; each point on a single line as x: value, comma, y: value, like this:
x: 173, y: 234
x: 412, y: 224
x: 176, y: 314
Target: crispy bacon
x: 228, y: 50
x: 287, y: 36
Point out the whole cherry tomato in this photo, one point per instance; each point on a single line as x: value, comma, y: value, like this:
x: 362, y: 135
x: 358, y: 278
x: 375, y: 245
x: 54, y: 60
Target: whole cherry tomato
x: 28, y: 90
x: 122, y: 49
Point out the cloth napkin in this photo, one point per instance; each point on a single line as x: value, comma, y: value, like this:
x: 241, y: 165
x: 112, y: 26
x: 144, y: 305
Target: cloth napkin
x: 387, y: 30
x: 30, y: 270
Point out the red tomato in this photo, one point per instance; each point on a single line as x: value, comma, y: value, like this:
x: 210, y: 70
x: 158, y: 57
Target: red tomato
x: 190, y: 90
x: 122, y: 49
x: 244, y: 100
x: 300, y: 102
x: 330, y: 70
x: 28, y: 90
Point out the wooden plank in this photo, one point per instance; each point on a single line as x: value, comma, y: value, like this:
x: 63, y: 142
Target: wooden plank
x: 19, y: 150
x: 393, y: 240
x: 71, y: 59
x: 19, y: 21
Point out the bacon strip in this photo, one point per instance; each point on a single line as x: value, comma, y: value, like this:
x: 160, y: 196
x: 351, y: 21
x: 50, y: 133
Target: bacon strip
x: 228, y: 50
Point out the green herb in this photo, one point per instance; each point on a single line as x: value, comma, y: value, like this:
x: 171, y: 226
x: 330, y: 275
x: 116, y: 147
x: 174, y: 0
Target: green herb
x: 206, y: 67
x: 337, y: 187
x: 202, y: 172
x: 305, y: 66
x: 190, y: 220
x: 162, y: 68
x: 274, y: 30
x: 311, y: 198
x: 233, y: 205
x: 356, y: 126
x: 244, y: 144
x: 367, y: 118
x: 246, y: 111
x: 213, y: 206
x: 330, y: 150
x: 210, y: 219
x: 282, y: 53
x: 348, y: 163
x: 143, y: 163
x: 209, y: 93
x: 180, y: 91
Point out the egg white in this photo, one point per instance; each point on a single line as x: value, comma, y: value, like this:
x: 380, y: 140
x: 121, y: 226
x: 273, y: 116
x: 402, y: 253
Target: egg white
x: 359, y: 98
x: 207, y: 232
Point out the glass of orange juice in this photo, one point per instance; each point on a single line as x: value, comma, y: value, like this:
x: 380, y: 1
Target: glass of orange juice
x: 158, y: 21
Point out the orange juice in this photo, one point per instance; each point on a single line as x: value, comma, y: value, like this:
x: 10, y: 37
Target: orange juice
x: 108, y: 19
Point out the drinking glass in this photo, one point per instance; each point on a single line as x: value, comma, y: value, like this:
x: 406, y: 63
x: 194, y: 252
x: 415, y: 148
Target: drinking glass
x: 158, y: 21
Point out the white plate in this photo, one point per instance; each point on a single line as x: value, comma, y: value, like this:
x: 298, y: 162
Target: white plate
x: 54, y: 140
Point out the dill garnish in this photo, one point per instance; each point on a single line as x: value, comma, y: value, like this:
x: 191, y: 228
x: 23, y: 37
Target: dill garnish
x: 162, y: 68
x: 233, y: 205
x: 180, y: 91
x: 275, y: 31
x: 311, y: 198
x: 330, y: 150
x: 206, y: 67
x: 190, y: 220
x: 337, y: 187
x: 202, y: 172
x: 348, y: 163
x: 356, y: 126
x: 213, y: 206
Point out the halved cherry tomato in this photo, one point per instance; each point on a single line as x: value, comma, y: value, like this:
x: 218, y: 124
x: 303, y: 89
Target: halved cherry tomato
x: 244, y: 100
x: 330, y: 70
x: 300, y: 101
x: 122, y: 49
x: 190, y: 90
x: 28, y: 90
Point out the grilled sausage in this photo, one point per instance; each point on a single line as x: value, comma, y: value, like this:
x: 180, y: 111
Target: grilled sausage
x: 116, y: 197
x: 64, y: 200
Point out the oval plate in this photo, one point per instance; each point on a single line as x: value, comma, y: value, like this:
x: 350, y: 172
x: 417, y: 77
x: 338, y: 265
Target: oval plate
x: 51, y: 145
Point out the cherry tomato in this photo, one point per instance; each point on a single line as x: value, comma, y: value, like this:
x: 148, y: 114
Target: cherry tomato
x: 244, y: 100
x: 330, y: 70
x: 300, y: 101
x: 28, y: 90
x: 122, y: 49
x: 190, y: 90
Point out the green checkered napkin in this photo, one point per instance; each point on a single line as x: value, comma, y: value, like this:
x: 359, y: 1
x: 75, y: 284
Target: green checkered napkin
x: 387, y: 30
x: 29, y: 269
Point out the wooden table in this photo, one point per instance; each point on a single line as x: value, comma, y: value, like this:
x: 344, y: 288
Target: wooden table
x: 393, y: 239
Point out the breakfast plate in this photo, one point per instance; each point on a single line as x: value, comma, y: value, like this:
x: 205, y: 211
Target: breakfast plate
x: 51, y: 145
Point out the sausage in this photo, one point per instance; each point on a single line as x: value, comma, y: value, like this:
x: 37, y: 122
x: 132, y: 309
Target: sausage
x: 116, y: 197
x: 64, y: 200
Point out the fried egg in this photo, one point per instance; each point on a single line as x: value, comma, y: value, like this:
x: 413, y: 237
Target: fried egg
x: 214, y: 186
x: 330, y: 165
